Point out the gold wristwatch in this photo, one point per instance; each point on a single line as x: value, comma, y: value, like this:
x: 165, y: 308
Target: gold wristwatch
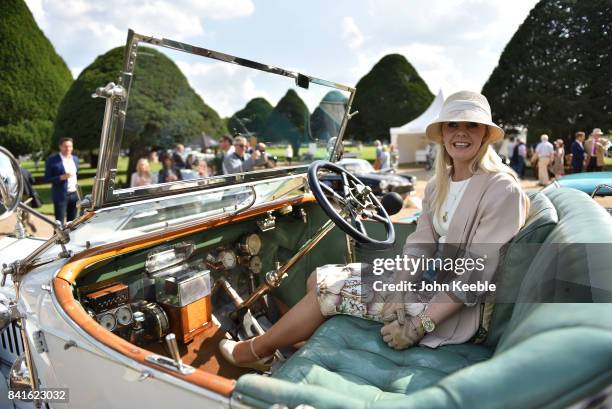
x: 427, y: 323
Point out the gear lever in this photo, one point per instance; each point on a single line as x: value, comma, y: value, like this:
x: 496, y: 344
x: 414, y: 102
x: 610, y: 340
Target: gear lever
x: 174, y: 351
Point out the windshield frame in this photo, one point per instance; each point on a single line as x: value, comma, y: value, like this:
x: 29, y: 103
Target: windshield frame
x: 105, y: 192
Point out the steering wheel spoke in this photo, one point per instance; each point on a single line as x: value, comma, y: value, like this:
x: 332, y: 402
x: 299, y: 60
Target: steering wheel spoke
x: 378, y: 218
x: 331, y: 192
x: 358, y: 201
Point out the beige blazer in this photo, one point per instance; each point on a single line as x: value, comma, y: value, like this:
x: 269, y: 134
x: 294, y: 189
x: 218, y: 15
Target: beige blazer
x: 599, y: 150
x: 491, y: 211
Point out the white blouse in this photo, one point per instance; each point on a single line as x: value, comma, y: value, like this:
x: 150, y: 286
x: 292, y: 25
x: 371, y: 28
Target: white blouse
x: 440, y: 222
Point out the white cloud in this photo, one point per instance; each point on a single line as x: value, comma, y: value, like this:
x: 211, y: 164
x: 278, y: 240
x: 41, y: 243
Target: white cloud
x: 453, y: 44
x: 224, y: 9
x: 226, y: 87
x: 351, y: 32
x: 83, y: 29
x: 436, y: 68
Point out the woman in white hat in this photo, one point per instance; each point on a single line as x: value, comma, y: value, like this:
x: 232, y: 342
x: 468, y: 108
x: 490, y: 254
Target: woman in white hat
x: 474, y: 202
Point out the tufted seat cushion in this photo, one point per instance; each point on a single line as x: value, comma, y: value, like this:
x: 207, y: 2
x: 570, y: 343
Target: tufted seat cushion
x: 539, y: 355
x: 342, y: 341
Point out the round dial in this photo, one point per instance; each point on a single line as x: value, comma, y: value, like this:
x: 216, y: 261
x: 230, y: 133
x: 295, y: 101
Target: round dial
x: 123, y: 315
x: 252, y: 244
x: 255, y: 264
x: 108, y: 321
x: 228, y: 259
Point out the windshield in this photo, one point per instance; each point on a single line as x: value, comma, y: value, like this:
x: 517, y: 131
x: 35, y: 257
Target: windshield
x: 192, y: 121
x: 130, y: 220
x: 360, y: 166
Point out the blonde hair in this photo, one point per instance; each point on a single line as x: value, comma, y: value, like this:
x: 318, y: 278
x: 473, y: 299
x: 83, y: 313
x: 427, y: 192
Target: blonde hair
x: 140, y: 163
x: 486, y: 160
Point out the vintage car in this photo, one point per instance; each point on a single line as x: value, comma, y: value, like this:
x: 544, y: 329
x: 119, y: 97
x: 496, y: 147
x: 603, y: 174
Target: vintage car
x: 124, y: 307
x: 380, y: 182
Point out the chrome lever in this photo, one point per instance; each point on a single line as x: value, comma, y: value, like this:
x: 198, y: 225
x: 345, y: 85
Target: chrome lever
x: 173, y: 348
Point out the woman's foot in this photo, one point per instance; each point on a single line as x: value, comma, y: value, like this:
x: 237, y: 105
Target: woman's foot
x: 245, y: 351
x: 244, y: 354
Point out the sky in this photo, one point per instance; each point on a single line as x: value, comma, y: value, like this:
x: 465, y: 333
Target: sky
x: 453, y: 44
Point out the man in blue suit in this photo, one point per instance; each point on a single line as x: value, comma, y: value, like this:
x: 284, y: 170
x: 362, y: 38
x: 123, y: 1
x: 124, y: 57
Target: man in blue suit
x: 61, y: 171
x: 578, y: 153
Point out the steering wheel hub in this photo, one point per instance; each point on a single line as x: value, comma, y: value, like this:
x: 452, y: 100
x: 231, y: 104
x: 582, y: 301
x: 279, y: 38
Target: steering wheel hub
x: 356, y: 202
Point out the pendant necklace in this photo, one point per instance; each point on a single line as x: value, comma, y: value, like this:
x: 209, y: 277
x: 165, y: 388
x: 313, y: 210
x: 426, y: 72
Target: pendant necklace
x: 445, y: 215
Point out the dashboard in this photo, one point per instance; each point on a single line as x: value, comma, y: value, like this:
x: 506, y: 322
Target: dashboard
x: 143, y: 296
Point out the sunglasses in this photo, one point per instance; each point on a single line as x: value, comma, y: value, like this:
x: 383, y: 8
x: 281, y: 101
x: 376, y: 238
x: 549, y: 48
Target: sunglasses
x: 240, y: 145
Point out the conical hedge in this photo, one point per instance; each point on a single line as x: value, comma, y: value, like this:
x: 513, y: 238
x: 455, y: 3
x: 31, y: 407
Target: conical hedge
x: 253, y: 116
x: 162, y: 107
x: 33, y: 80
x: 288, y: 122
x: 390, y: 95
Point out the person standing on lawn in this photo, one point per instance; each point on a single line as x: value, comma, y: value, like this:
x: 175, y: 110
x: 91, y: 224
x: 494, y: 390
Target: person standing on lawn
x: 61, y: 171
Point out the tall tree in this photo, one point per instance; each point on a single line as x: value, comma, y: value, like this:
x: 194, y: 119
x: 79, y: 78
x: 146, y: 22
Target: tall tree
x: 391, y: 94
x: 33, y: 77
x: 253, y: 117
x: 555, y: 74
x: 163, y: 109
x: 288, y: 122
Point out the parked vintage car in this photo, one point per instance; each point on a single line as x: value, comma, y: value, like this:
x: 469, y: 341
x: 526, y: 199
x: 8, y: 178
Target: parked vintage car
x: 380, y: 182
x: 124, y: 307
x: 599, y: 183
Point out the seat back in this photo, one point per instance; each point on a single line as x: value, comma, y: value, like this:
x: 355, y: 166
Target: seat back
x: 541, y: 220
x: 572, y: 265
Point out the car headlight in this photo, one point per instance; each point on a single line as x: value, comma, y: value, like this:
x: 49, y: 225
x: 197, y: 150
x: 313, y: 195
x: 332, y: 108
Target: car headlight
x: 383, y: 185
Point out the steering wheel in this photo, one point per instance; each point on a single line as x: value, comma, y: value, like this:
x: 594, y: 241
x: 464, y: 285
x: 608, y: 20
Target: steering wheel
x: 357, y: 202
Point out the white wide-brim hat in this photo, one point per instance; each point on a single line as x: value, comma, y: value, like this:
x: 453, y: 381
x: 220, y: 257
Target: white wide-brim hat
x: 464, y: 106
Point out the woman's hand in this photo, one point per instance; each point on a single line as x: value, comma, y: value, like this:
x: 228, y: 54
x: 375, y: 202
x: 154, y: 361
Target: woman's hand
x: 392, y: 310
x: 401, y: 336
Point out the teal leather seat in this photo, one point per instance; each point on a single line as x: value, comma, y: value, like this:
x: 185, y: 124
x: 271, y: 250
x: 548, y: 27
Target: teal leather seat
x: 537, y: 354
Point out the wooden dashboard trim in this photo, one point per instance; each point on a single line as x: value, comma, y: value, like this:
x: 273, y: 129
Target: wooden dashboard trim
x: 63, y: 292
x: 71, y: 270
x: 66, y: 277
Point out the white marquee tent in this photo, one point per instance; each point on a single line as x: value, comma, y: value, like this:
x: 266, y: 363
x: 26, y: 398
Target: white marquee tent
x: 410, y: 138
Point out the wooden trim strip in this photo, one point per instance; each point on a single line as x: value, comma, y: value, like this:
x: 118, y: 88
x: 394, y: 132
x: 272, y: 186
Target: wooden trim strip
x: 63, y: 292
x: 73, y: 268
x: 66, y: 277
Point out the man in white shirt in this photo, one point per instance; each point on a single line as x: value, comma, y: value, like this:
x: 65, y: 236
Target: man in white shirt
x: 61, y: 171
x: 545, y: 151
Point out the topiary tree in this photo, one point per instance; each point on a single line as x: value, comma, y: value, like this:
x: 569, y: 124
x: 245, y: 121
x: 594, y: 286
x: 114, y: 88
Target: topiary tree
x: 253, y: 117
x: 555, y: 74
x: 390, y: 95
x: 327, y: 117
x: 288, y: 122
x: 33, y: 77
x: 163, y: 109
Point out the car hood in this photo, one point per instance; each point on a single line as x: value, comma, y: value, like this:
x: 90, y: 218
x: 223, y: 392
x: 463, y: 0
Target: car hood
x: 12, y: 249
x: 395, y: 179
x: 587, y: 181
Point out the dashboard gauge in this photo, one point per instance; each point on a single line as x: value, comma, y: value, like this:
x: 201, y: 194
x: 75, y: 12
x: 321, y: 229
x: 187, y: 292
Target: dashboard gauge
x: 250, y: 244
x: 228, y: 259
x: 123, y: 315
x: 255, y: 264
x: 108, y: 321
x: 156, y: 320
